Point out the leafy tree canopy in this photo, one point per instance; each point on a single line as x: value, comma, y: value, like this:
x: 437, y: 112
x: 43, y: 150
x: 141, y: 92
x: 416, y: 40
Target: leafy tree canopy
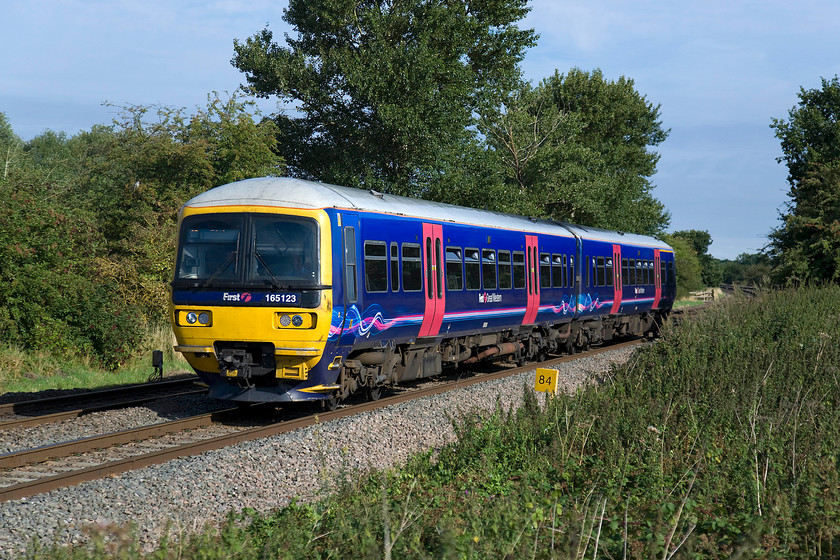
x: 807, y: 244
x: 385, y: 91
x: 577, y: 148
x: 89, y: 268
x: 748, y: 269
x: 10, y: 147
x: 689, y: 269
x: 700, y: 240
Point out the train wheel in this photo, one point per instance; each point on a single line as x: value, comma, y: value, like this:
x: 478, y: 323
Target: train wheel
x: 373, y: 393
x: 331, y: 403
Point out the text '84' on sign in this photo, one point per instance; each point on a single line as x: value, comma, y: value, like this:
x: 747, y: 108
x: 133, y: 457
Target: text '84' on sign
x: 546, y: 380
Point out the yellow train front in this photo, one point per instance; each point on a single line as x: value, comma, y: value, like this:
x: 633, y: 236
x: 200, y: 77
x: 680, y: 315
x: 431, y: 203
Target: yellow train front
x: 251, y: 296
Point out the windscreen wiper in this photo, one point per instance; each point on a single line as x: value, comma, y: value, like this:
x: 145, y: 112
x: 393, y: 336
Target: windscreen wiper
x: 225, y: 265
x: 274, y: 281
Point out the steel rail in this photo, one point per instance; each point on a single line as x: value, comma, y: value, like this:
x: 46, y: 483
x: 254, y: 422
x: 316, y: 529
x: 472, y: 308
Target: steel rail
x: 46, y: 484
x: 64, y: 449
x: 168, y: 389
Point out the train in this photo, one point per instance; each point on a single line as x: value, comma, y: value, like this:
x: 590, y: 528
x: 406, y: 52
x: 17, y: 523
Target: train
x: 287, y: 290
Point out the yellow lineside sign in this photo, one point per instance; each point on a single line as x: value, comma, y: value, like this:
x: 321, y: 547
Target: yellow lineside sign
x: 546, y: 380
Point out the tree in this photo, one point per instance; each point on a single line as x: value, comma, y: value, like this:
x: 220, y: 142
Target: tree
x: 577, y: 148
x: 238, y: 146
x: 54, y: 296
x: 386, y: 91
x: 87, y: 238
x: 688, y: 271
x: 10, y: 147
x: 710, y: 270
x: 749, y: 269
x: 807, y: 244
x: 161, y: 158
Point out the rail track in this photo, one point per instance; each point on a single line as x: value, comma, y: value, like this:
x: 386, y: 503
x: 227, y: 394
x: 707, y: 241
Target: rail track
x: 53, y: 409
x: 33, y: 471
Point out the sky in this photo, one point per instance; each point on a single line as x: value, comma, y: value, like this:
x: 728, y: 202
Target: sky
x: 720, y: 71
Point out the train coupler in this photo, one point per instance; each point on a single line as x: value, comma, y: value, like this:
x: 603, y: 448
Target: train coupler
x: 245, y: 360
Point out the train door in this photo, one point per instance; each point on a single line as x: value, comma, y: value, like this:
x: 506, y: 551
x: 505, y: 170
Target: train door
x: 433, y: 288
x: 349, y: 277
x: 657, y: 264
x: 532, y: 280
x: 616, y: 271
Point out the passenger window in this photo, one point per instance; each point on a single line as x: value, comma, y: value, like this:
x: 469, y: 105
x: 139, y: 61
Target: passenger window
x: 504, y: 270
x: 599, y: 272
x: 557, y: 270
x: 454, y: 269
x: 631, y: 272
x: 350, y: 287
x: 625, y: 274
x: 488, y: 268
x: 412, y: 267
x: 439, y: 268
x: 571, y: 277
x: 545, y: 270
x: 608, y: 271
x: 519, y: 270
x: 429, y: 267
x: 376, y: 267
x: 529, y: 270
x: 395, y: 268
x: 472, y: 269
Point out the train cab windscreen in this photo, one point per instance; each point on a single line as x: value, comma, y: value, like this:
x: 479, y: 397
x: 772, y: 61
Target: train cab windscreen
x: 273, y: 250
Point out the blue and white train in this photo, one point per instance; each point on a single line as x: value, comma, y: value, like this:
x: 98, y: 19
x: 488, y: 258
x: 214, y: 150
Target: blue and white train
x: 288, y: 290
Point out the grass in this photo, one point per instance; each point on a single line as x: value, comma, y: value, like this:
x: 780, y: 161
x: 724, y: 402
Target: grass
x: 28, y: 371
x: 688, y: 303
x: 719, y: 441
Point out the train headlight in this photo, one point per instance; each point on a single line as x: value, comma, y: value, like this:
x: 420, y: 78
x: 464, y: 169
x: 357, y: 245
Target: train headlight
x: 296, y: 321
x: 195, y: 318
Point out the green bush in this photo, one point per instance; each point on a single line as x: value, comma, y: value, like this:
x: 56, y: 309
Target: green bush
x: 53, y: 297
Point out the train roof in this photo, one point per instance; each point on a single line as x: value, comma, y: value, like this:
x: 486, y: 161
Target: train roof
x: 298, y: 193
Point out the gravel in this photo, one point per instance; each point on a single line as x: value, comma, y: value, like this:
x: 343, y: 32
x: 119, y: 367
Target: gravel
x: 97, y: 423
x: 189, y: 493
